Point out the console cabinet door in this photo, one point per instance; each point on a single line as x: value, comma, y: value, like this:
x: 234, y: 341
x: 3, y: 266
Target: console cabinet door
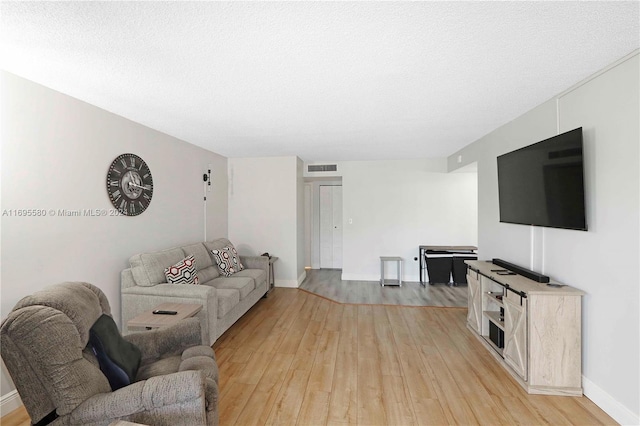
x: 474, y: 301
x: 515, y: 333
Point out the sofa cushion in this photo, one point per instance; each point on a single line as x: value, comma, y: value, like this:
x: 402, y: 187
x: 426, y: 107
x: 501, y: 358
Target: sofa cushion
x: 207, y: 274
x: 217, y: 244
x: 148, y: 268
x: 200, y: 254
x: 227, y: 299
x: 183, y: 272
x: 258, y: 275
x: 227, y: 260
x: 244, y: 285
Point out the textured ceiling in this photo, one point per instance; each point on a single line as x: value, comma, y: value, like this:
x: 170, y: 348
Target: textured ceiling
x: 320, y: 80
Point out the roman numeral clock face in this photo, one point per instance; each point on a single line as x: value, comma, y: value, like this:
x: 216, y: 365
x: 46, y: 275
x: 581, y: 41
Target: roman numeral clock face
x: 129, y: 184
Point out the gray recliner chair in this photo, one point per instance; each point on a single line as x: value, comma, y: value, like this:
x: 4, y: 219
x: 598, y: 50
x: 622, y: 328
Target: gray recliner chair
x: 45, y: 348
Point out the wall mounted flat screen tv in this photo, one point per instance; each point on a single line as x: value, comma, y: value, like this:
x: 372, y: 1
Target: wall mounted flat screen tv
x: 543, y: 184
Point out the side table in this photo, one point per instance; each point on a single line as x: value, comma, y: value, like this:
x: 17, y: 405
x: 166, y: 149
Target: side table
x: 272, y: 280
x: 398, y: 261
x: 149, y: 320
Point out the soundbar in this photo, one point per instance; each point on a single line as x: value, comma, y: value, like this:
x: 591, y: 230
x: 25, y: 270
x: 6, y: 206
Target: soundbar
x: 532, y: 275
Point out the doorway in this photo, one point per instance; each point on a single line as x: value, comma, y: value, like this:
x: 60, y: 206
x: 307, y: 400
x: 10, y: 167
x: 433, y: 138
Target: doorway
x: 331, y: 226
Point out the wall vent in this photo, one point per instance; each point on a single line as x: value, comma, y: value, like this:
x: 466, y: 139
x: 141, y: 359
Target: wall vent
x: 322, y: 168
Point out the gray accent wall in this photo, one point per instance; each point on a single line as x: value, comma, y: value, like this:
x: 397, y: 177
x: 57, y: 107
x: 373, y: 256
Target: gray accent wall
x: 55, y: 154
x: 605, y: 260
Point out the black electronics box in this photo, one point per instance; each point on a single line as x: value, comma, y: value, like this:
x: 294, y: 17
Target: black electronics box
x: 460, y: 268
x: 496, y: 335
x: 439, y: 266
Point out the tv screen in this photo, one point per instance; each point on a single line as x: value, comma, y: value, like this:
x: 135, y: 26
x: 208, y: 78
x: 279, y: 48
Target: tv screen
x: 543, y: 184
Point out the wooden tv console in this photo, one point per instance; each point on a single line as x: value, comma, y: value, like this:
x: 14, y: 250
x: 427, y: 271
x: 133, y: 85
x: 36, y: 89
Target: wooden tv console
x: 541, y: 328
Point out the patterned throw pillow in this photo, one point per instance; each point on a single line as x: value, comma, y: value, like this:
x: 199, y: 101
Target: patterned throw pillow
x: 183, y: 272
x: 228, y: 260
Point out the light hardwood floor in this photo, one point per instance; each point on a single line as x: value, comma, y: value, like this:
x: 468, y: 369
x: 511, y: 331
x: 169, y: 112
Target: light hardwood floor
x: 328, y: 283
x: 299, y: 359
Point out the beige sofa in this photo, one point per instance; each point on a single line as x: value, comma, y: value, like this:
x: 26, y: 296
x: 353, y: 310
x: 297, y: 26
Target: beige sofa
x: 224, y: 299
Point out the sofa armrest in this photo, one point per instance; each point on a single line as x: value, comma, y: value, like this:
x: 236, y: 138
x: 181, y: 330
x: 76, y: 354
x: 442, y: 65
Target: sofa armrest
x: 256, y: 262
x: 167, y: 341
x: 137, y: 299
x: 146, y: 395
x: 126, y: 279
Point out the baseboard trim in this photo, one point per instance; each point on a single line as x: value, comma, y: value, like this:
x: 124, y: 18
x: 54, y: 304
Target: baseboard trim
x: 287, y: 283
x: 9, y: 402
x: 292, y: 283
x: 376, y: 278
x: 301, y: 278
x: 609, y: 404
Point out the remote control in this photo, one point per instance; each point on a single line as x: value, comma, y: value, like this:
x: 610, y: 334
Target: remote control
x: 161, y: 312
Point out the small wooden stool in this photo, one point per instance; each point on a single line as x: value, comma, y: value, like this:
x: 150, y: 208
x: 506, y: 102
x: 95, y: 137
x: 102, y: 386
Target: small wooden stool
x: 384, y: 281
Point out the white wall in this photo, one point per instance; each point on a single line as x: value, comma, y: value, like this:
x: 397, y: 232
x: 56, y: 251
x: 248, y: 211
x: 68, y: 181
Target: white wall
x: 396, y: 206
x: 55, y: 154
x: 605, y: 261
x: 497, y: 239
x: 264, y: 212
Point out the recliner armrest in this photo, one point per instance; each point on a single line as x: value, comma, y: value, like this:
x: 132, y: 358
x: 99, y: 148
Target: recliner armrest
x: 141, y: 396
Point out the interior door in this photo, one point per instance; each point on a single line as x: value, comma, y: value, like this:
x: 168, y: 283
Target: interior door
x: 331, y: 226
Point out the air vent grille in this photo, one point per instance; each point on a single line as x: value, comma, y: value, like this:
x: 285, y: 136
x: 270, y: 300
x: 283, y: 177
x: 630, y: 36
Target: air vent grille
x: 322, y: 168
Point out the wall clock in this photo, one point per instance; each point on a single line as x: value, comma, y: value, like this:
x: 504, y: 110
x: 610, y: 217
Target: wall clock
x: 129, y: 184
